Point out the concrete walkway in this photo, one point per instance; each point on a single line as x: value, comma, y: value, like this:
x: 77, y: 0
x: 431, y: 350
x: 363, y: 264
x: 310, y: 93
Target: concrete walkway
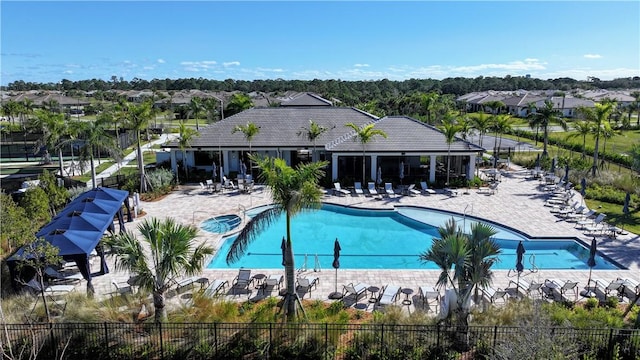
x: 518, y: 203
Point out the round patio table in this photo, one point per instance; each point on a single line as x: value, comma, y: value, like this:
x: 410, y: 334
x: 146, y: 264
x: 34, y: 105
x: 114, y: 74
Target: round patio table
x: 406, y: 292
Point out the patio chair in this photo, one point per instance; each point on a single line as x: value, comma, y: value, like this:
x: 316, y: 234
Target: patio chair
x: 338, y: 190
x: 554, y: 286
x: 412, y: 190
x: 389, y: 295
x: 215, y: 287
x: 596, y: 226
x: 607, y: 287
x: 584, y: 219
x: 388, y: 189
x: 306, y: 284
x: 451, y: 192
x: 358, y: 188
x: 210, y: 185
x: 371, y: 186
x: 49, y: 290
x: 185, y: 283
x: 430, y: 296
x: 494, y: 295
x: 528, y: 288
x: 425, y: 188
x: 122, y: 288
x: 272, y: 282
x: 57, y: 276
x: 630, y: 289
x: 354, y: 290
x: 242, y: 281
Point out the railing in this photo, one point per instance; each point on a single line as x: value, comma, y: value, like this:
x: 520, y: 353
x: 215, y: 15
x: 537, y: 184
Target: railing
x: 98, y: 341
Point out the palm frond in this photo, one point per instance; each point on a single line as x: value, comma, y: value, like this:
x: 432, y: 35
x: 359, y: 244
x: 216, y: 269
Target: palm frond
x: 248, y: 234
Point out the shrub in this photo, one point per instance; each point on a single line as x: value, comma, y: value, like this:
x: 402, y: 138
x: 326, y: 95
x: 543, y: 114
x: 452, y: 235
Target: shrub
x: 591, y: 303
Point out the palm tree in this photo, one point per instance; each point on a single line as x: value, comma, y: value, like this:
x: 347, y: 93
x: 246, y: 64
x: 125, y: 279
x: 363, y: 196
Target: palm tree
x: 494, y: 105
x: 312, y: 133
x: 582, y: 128
x: 597, y: 116
x: 482, y: 123
x: 449, y: 128
x: 465, y: 261
x: 293, y: 191
x: 53, y: 129
x: 195, y: 106
x: 501, y: 124
x: 96, y: 139
x: 608, y: 132
x: 186, y: 135
x: 250, y: 130
x: 138, y: 117
x: 430, y: 102
x: 238, y: 103
x: 542, y: 118
x: 172, y: 254
x: 364, y: 135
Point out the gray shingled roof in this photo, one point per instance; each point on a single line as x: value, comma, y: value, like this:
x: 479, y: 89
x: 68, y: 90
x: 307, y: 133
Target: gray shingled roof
x: 279, y: 127
x: 406, y: 135
x: 307, y: 99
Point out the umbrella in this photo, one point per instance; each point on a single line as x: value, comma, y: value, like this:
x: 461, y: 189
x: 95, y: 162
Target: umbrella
x: 591, y: 262
x: 214, y: 171
x: 379, y: 176
x: 520, y: 254
x: 625, y: 210
x: 583, y: 187
x: 566, y: 173
x: 538, y: 162
x: 283, y: 246
x: 401, y: 171
x: 553, y: 165
x: 336, y: 265
x: 221, y: 174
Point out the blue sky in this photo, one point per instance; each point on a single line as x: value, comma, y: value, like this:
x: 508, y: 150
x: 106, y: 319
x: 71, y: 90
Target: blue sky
x: 52, y: 40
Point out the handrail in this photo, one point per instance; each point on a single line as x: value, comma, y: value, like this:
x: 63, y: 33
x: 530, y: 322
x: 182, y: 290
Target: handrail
x: 464, y: 216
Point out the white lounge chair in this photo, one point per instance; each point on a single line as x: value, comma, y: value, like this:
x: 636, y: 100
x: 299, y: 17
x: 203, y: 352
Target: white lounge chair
x: 412, y: 190
x: 354, y: 290
x: 388, y: 189
x: 338, y: 190
x: 451, y: 192
x: 430, y: 297
x: 49, y: 290
x: 596, y: 226
x: 630, y: 288
x: 185, y: 283
x: 306, y: 284
x: 528, y: 288
x: 389, y: 295
x: 554, y: 286
x: 215, y: 287
x: 358, y: 188
x: 607, y: 287
x: 61, y: 277
x: 122, y: 287
x: 425, y: 188
x: 372, y: 189
x: 494, y: 295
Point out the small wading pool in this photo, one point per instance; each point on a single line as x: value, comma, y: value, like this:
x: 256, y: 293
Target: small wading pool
x: 390, y: 239
x: 221, y: 224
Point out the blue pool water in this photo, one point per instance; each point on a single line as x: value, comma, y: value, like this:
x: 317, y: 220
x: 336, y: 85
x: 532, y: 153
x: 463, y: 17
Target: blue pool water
x: 221, y: 224
x: 389, y: 239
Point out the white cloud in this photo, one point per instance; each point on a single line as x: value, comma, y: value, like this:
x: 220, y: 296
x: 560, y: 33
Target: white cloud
x: 231, y: 63
x: 161, y: 61
x: 592, y: 56
x: 361, y: 65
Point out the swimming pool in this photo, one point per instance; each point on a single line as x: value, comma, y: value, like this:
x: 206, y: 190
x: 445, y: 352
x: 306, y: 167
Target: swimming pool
x: 389, y: 239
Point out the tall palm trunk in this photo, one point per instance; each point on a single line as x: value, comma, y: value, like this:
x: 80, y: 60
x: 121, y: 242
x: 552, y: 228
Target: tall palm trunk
x: 546, y: 141
x: 289, y: 271
x: 364, y: 168
x: 159, y: 307
x: 594, y: 168
x: 60, y: 162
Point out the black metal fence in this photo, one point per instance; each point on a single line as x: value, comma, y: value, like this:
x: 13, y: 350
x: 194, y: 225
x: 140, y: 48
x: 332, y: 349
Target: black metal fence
x: 309, y: 341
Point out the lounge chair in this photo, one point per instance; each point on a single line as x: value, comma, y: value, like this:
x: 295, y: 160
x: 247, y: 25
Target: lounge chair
x: 630, y: 289
x: 122, y: 287
x: 425, y: 188
x: 57, y: 276
x: 338, y: 190
x: 389, y: 295
x: 596, y: 226
x: 354, y: 290
x: 306, y: 284
x: 215, y: 287
x: 489, y: 190
x: 430, y: 297
x: 49, y: 290
x: 451, y: 192
x: 388, y: 189
x: 272, y: 282
x: 494, y: 295
x: 186, y: 283
x: 372, y: 189
x: 242, y: 281
x: 358, y: 188
x: 210, y: 186
x: 412, y: 190
x: 551, y: 287
x: 585, y: 219
x: 528, y: 288
x: 607, y: 287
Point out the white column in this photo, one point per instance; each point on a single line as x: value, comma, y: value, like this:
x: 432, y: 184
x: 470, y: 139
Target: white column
x: 334, y: 166
x: 472, y: 167
x: 374, y: 167
x: 432, y: 168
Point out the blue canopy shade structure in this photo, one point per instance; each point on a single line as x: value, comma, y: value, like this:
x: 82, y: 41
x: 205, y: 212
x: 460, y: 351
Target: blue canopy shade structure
x: 79, y: 227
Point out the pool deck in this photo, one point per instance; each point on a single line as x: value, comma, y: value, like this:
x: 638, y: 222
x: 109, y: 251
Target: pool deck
x: 518, y: 203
